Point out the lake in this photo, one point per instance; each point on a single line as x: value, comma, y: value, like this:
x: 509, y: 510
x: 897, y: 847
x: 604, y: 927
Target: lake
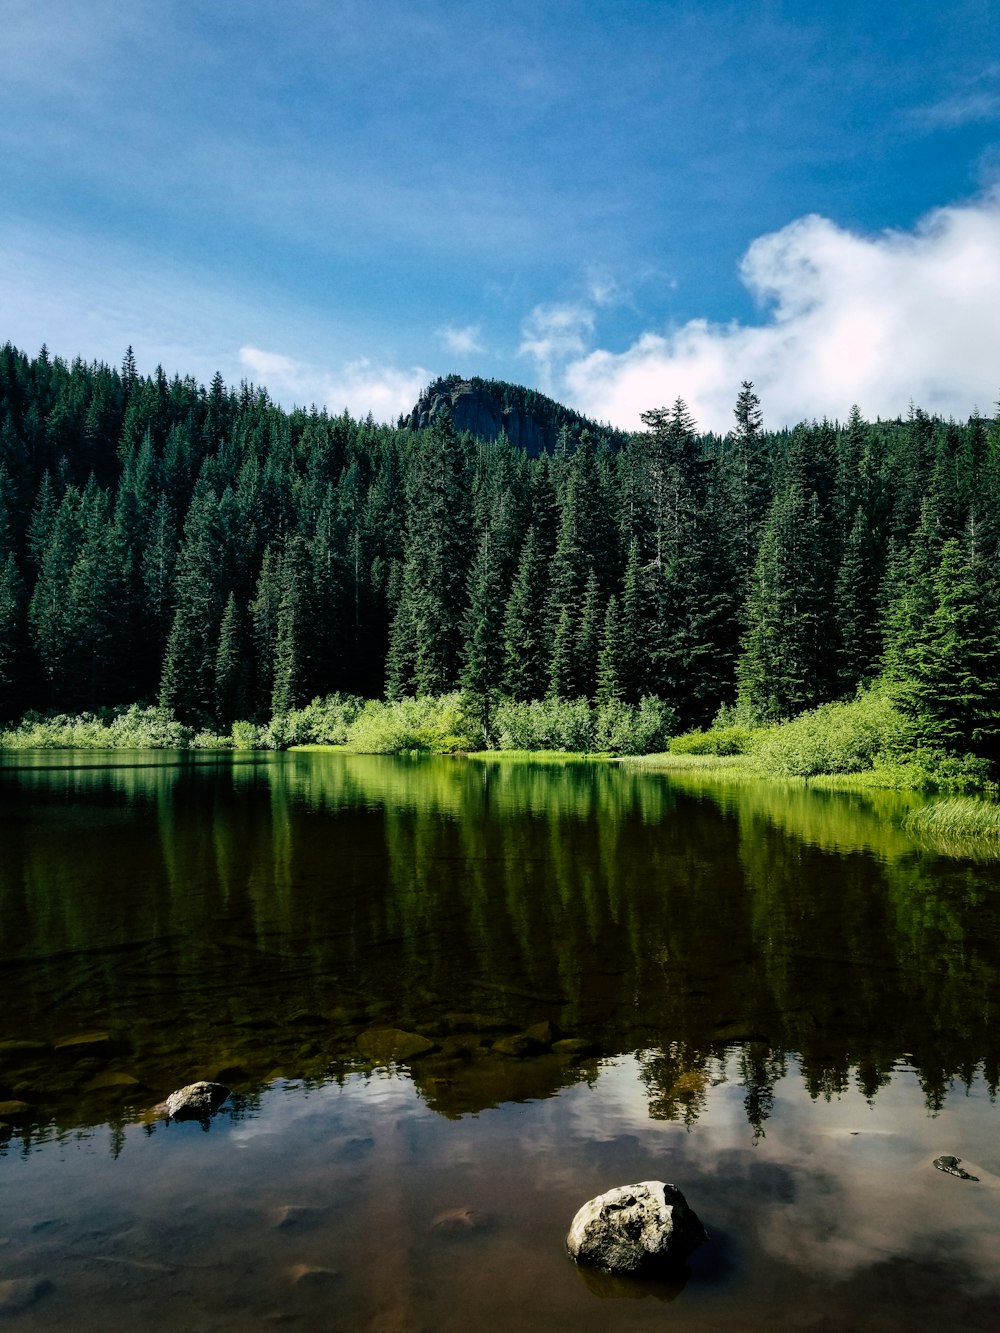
x: 774, y: 996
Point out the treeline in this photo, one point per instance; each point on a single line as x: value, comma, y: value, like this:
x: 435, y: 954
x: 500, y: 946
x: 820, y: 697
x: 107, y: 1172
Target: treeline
x: 207, y: 550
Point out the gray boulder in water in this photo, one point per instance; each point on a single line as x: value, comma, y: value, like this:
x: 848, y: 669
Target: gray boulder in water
x: 197, y: 1101
x: 641, y: 1228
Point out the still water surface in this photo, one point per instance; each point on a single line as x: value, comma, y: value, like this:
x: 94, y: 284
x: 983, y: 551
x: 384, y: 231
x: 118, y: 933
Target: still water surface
x: 791, y: 1007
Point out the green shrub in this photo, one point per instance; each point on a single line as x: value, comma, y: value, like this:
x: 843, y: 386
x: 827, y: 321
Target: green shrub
x: 634, y: 729
x: 928, y: 769
x: 834, y: 738
x: 717, y: 741
x: 132, y: 728
x: 248, y: 736
x: 441, y: 724
x: 210, y: 740
x: 545, y: 724
x: 323, y: 721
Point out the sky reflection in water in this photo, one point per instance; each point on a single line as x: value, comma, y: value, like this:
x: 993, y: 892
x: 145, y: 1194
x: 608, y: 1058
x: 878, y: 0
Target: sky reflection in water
x: 261, y: 915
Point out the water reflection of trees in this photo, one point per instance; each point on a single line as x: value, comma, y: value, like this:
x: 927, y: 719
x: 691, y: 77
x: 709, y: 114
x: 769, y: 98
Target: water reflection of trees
x: 210, y: 908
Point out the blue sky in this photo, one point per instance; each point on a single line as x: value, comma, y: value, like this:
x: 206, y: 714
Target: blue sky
x: 616, y: 201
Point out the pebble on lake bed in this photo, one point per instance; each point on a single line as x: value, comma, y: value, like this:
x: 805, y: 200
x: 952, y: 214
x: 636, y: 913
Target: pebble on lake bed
x: 643, y: 1228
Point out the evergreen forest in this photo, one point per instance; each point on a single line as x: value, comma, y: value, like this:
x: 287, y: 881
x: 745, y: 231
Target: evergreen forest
x: 208, y: 551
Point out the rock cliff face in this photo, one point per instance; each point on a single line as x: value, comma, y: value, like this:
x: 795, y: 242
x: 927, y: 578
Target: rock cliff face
x: 487, y: 408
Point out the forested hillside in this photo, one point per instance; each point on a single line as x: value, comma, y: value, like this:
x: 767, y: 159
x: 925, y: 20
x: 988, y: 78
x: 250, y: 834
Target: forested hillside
x: 207, y: 549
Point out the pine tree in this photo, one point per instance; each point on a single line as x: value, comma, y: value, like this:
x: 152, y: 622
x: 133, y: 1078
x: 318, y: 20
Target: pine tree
x: 952, y: 691
x: 42, y: 518
x: 787, y: 663
x: 746, y: 469
x: 292, y: 657
x: 264, y: 611
x: 609, y: 662
x: 425, y: 640
x: 95, y: 602
x: 588, y: 639
x: 562, y: 664
x: 231, y: 673
x: 187, y: 684
x: 482, y: 667
x: 11, y: 635
x: 525, y: 673
x: 859, y: 638
x: 158, y: 561
x: 53, y: 631
x: 633, y: 671
x: 909, y: 596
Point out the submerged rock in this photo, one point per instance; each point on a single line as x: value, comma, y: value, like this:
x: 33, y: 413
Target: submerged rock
x: 18, y: 1293
x: 575, y: 1047
x: 86, y: 1043
x: 473, y: 1022
x: 197, y: 1101
x: 386, y: 1046
x: 642, y: 1228
x: 951, y: 1165
x: 16, y: 1110
x: 294, y: 1214
x: 113, y: 1081
x: 546, y: 1034
x: 310, y: 1275
x: 15, y: 1052
x: 519, y: 1046
x: 459, y: 1222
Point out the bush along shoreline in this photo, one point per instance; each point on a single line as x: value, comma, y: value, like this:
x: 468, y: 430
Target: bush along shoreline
x: 866, y: 741
x: 443, y: 724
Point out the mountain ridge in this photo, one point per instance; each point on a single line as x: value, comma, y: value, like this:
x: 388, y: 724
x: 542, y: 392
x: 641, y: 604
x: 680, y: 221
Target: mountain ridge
x: 531, y: 421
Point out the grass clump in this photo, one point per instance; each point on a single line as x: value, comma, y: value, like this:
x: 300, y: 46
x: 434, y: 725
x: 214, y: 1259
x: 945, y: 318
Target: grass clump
x: 956, y: 816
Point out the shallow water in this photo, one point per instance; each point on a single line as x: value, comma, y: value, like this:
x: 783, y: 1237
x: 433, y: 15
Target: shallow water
x: 791, y: 1006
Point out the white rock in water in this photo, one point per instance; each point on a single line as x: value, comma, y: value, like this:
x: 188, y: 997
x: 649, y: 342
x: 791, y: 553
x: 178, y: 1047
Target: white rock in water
x: 196, y: 1102
x: 635, y: 1228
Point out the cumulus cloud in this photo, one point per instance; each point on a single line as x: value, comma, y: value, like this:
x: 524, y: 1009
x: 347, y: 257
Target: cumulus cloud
x: 881, y: 320
x: 462, y: 341
x: 361, y: 386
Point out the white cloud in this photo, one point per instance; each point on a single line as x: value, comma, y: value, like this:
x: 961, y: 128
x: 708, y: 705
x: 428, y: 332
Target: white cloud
x: 462, y: 341
x: 553, y: 333
x: 270, y: 367
x: 603, y: 287
x: 977, y: 101
x: 879, y: 320
x: 962, y: 109
x: 361, y: 386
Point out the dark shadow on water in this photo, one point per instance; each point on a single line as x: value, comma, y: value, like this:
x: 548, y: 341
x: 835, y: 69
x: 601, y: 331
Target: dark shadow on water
x: 715, y: 1261
x: 612, y: 1286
